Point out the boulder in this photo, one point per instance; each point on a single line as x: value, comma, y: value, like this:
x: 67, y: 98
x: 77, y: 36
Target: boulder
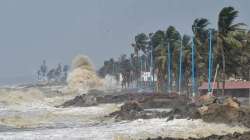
x: 131, y: 106
x: 232, y: 102
x: 202, y: 110
x: 81, y: 100
x: 206, y: 100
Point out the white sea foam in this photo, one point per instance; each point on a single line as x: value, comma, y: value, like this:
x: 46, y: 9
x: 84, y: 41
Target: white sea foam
x: 138, y: 129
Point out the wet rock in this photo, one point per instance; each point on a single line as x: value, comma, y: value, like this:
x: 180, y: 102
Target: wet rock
x: 180, y: 104
x: 202, y: 110
x: 232, y: 102
x: 81, y: 100
x: 206, y: 100
x: 189, y: 111
x: 234, y: 136
x: 228, y: 112
x: 131, y: 106
x: 220, y: 113
x: 133, y: 110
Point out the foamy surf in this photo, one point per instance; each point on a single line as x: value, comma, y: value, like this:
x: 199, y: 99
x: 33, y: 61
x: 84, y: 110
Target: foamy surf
x: 138, y: 129
x: 30, y: 114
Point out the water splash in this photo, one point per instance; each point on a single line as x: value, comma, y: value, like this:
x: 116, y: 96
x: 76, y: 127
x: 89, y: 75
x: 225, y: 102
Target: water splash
x: 83, y: 77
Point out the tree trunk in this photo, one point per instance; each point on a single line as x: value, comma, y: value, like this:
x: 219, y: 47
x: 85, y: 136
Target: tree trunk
x: 220, y: 45
x: 223, y: 70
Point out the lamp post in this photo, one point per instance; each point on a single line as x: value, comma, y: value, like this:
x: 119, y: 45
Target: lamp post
x: 210, y: 62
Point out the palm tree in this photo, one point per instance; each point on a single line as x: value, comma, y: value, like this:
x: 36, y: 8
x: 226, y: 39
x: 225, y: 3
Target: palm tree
x: 157, y: 42
x: 140, y: 44
x: 151, y: 59
x: 200, y: 31
x: 239, y: 64
x: 226, y: 35
x: 172, y: 40
x: 160, y: 63
x: 186, y: 43
x: 141, y: 41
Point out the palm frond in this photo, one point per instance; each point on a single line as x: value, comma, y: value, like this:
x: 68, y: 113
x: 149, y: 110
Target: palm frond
x: 232, y: 41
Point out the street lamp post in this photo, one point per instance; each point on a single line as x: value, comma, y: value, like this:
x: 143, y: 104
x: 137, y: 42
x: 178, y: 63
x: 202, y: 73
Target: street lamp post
x: 210, y: 62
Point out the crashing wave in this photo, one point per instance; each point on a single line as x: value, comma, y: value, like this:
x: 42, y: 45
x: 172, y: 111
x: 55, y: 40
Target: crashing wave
x: 83, y: 77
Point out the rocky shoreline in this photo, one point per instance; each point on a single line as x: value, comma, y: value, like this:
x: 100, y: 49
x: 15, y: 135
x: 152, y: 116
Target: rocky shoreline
x: 234, y: 136
x: 173, y: 106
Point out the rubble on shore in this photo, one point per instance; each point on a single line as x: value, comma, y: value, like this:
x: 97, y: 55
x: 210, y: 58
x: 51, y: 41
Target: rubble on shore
x: 144, y: 106
x: 234, y: 136
x: 208, y: 108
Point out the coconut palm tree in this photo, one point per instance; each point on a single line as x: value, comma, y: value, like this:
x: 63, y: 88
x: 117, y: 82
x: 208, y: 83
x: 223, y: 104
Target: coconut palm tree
x: 186, y: 43
x: 157, y: 42
x: 160, y: 63
x: 239, y: 64
x: 141, y: 41
x: 200, y: 31
x: 226, y: 38
x: 172, y: 40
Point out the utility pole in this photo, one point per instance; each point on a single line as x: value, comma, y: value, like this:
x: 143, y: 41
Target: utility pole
x: 210, y: 62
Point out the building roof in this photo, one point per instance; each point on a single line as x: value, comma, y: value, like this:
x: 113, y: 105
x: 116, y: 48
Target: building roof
x: 228, y: 85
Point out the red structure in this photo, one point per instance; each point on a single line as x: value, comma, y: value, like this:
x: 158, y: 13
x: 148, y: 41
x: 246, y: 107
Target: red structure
x: 232, y: 88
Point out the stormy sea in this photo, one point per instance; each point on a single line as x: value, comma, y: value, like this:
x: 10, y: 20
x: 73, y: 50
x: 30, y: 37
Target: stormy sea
x: 31, y: 111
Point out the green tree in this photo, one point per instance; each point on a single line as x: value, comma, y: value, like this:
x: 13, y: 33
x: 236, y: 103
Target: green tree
x: 173, y: 40
x: 159, y: 57
x: 186, y: 43
x: 226, y: 38
x: 200, y: 31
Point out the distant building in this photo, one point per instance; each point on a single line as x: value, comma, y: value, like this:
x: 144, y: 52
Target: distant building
x: 232, y: 88
x: 148, y: 77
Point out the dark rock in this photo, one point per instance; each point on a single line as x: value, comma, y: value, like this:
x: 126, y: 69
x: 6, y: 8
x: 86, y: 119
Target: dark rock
x: 133, y: 110
x: 205, y: 100
x: 131, y: 106
x: 81, y: 100
x: 234, y: 136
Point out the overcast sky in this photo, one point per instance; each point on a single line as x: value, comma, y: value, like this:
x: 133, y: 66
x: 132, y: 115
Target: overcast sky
x: 57, y: 30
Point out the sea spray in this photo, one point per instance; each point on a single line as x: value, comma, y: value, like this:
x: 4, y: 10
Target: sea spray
x: 83, y: 77
x: 111, y: 82
x: 19, y: 98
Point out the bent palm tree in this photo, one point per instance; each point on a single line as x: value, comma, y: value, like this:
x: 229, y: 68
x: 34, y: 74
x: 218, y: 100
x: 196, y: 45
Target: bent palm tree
x: 157, y: 42
x: 172, y: 39
x: 186, y: 43
x: 226, y: 38
x: 200, y: 31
